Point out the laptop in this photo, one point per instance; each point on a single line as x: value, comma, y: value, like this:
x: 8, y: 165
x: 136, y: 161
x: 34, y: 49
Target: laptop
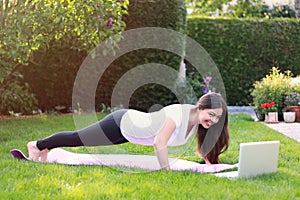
x: 255, y: 158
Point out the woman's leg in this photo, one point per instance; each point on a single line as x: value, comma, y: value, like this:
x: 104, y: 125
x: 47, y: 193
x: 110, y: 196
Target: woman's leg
x: 105, y: 132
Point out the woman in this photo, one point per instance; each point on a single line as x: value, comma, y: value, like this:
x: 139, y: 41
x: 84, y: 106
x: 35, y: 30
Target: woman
x: 171, y: 126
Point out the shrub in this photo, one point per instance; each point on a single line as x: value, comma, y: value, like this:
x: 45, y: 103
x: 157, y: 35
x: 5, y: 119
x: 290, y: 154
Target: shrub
x: 32, y: 25
x: 292, y: 99
x: 72, y: 25
x: 166, y: 14
x: 52, y: 76
x: 244, y: 49
x: 295, y: 83
x: 272, y: 88
x: 17, y: 98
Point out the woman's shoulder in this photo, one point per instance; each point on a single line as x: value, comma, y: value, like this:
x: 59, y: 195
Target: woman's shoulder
x: 178, y: 109
x: 179, y: 106
x: 171, y: 107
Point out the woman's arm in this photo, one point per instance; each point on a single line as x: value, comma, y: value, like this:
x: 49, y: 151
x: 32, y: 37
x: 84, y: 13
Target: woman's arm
x: 206, y: 161
x: 161, y: 141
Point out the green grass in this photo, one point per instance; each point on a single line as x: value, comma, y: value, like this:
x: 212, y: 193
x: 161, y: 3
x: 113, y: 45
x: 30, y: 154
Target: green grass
x: 29, y: 180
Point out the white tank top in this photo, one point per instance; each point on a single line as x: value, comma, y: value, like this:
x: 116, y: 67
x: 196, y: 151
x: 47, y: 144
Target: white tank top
x: 141, y: 128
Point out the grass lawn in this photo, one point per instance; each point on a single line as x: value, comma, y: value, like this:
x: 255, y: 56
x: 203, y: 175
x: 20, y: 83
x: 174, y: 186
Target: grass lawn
x: 29, y: 180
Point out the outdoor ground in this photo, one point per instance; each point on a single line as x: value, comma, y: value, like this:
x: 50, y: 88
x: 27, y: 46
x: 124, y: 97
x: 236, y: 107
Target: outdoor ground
x: 291, y: 130
x: 29, y: 180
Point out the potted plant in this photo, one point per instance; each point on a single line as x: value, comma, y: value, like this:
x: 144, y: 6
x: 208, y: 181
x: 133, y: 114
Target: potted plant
x: 289, y: 115
x: 292, y: 102
x: 270, y: 111
x: 272, y: 88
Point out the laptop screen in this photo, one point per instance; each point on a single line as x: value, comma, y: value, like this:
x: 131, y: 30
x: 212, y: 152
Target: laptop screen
x: 258, y: 158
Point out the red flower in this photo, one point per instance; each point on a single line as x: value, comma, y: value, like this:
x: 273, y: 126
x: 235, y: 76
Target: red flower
x: 268, y: 107
x: 264, y: 105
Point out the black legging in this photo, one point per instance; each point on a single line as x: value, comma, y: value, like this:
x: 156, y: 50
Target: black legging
x: 105, y: 132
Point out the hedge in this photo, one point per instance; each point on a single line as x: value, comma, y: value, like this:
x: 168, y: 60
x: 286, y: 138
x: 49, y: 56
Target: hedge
x: 245, y: 50
x: 166, y: 14
x: 53, y: 78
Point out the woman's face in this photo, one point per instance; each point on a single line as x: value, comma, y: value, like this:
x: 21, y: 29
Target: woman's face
x: 209, y: 117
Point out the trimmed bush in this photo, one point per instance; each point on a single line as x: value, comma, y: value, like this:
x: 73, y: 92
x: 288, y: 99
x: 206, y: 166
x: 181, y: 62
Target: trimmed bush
x: 244, y: 49
x: 165, y: 14
x: 52, y: 76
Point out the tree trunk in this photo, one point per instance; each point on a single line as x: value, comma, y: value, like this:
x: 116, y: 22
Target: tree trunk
x: 297, y: 8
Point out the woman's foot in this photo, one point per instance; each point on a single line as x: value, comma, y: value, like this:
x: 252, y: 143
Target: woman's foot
x: 35, y: 154
x: 44, y: 154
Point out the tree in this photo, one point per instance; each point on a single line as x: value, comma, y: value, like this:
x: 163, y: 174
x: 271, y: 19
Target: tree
x: 246, y: 8
x: 205, y: 6
x: 240, y: 8
x: 297, y: 8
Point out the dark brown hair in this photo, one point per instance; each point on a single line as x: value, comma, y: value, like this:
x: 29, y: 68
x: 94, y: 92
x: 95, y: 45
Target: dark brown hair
x: 215, y: 140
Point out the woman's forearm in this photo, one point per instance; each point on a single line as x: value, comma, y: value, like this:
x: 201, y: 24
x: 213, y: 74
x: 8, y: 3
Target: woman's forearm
x: 161, y: 152
x: 207, y: 161
x: 160, y: 143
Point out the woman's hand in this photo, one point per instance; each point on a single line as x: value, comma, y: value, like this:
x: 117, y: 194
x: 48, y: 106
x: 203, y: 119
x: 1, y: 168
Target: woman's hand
x: 161, y: 143
x: 207, y: 161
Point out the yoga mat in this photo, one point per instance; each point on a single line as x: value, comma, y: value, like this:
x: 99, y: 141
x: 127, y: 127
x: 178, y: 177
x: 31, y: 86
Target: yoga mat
x: 146, y: 162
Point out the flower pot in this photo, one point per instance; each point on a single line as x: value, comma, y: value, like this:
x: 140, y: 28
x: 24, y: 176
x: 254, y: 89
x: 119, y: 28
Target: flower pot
x: 297, y: 111
x: 271, y: 117
x: 289, y: 117
x: 260, y: 117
